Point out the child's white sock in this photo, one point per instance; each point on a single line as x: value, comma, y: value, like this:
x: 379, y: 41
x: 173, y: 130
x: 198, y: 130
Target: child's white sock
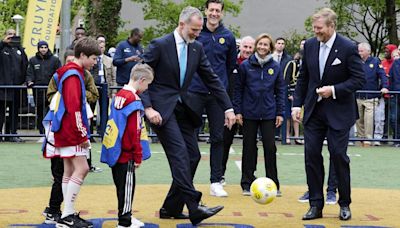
x: 64, y: 185
x: 74, y: 185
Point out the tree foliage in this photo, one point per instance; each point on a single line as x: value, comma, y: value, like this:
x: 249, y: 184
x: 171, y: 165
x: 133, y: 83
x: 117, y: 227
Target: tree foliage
x: 371, y: 19
x: 8, y: 8
x: 103, y: 17
x: 165, y: 13
x: 293, y: 39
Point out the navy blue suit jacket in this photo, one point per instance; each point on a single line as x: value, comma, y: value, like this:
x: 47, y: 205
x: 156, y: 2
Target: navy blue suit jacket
x: 164, y: 91
x: 346, y: 77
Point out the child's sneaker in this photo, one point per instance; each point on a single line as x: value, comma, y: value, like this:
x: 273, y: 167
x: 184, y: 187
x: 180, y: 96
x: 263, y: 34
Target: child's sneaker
x: 72, y: 221
x: 51, y: 218
x: 136, y: 222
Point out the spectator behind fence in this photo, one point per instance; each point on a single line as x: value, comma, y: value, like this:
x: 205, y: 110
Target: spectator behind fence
x: 394, y: 116
x: 127, y: 54
x: 104, y: 74
x: 259, y: 103
x: 41, y: 68
x: 381, y: 121
x: 282, y: 57
x: 79, y: 33
x: 13, y: 64
x: 290, y: 74
x: 367, y: 103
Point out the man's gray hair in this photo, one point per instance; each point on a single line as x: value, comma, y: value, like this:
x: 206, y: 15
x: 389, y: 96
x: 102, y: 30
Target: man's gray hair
x: 365, y: 46
x: 247, y: 38
x: 188, y: 12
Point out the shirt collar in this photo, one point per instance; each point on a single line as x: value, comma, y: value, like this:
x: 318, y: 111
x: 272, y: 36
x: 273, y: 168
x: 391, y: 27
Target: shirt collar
x: 329, y: 43
x: 178, y: 38
x: 129, y: 88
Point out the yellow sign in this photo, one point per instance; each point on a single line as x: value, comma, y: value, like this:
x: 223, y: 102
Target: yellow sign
x: 221, y: 40
x: 111, y: 134
x: 41, y: 24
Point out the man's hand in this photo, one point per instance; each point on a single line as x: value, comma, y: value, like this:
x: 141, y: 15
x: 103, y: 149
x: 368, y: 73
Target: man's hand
x: 7, y: 39
x: 134, y: 58
x: 136, y: 165
x: 384, y: 91
x: 278, y: 121
x: 230, y: 119
x: 296, y: 111
x: 239, y: 119
x: 153, y: 116
x: 325, y: 91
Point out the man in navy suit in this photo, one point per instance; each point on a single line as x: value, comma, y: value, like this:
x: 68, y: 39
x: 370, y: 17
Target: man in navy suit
x: 172, y: 111
x: 331, y: 73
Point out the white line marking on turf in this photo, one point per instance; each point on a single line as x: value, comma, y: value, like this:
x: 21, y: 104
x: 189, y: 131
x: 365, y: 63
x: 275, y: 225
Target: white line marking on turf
x: 239, y: 165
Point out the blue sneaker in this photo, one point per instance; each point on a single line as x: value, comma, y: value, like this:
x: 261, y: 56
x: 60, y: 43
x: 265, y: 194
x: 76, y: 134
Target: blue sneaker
x: 304, y: 198
x: 330, y: 198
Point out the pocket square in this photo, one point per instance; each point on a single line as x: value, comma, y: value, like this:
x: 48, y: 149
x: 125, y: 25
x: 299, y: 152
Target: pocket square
x: 336, y: 62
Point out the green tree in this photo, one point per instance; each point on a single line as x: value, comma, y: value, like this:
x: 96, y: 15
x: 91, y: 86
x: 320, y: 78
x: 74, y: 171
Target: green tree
x: 374, y: 20
x: 103, y: 17
x: 293, y: 38
x: 165, y: 13
x: 8, y: 8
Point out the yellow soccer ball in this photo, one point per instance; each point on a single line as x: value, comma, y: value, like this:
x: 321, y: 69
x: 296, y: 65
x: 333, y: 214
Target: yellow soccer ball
x: 263, y: 190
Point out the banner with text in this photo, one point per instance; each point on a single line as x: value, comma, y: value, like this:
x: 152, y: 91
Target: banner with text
x: 41, y: 24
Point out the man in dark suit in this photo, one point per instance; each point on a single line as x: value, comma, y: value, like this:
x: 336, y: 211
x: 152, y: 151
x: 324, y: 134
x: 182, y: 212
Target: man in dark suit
x: 331, y: 73
x: 171, y: 111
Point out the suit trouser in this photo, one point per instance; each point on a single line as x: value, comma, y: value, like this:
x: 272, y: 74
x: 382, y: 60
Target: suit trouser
x: 249, y: 154
x: 314, y: 133
x: 216, y: 120
x: 124, y: 180
x: 179, y: 140
x: 56, y: 195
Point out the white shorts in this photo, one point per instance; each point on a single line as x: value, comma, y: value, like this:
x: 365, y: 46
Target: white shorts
x: 71, y: 151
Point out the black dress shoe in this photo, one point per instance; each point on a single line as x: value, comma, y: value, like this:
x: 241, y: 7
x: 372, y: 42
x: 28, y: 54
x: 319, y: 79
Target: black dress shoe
x: 345, y: 213
x: 164, y: 214
x: 203, y: 212
x: 313, y: 213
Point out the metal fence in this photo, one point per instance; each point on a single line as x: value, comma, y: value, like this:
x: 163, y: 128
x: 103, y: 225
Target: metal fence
x: 22, y: 114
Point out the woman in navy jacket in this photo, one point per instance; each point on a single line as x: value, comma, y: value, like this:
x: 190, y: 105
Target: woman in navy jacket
x: 259, y: 103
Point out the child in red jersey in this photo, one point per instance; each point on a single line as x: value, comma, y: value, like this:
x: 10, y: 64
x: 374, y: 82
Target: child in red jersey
x: 121, y: 144
x: 70, y: 128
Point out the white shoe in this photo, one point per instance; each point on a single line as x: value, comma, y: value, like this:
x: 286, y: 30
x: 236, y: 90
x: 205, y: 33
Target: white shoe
x: 216, y: 189
x: 136, y: 223
x: 377, y: 143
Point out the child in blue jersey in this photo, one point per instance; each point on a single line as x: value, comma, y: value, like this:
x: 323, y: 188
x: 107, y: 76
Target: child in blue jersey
x: 121, y: 149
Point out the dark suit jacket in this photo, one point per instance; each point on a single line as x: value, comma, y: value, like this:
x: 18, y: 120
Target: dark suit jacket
x: 164, y: 91
x: 346, y: 77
